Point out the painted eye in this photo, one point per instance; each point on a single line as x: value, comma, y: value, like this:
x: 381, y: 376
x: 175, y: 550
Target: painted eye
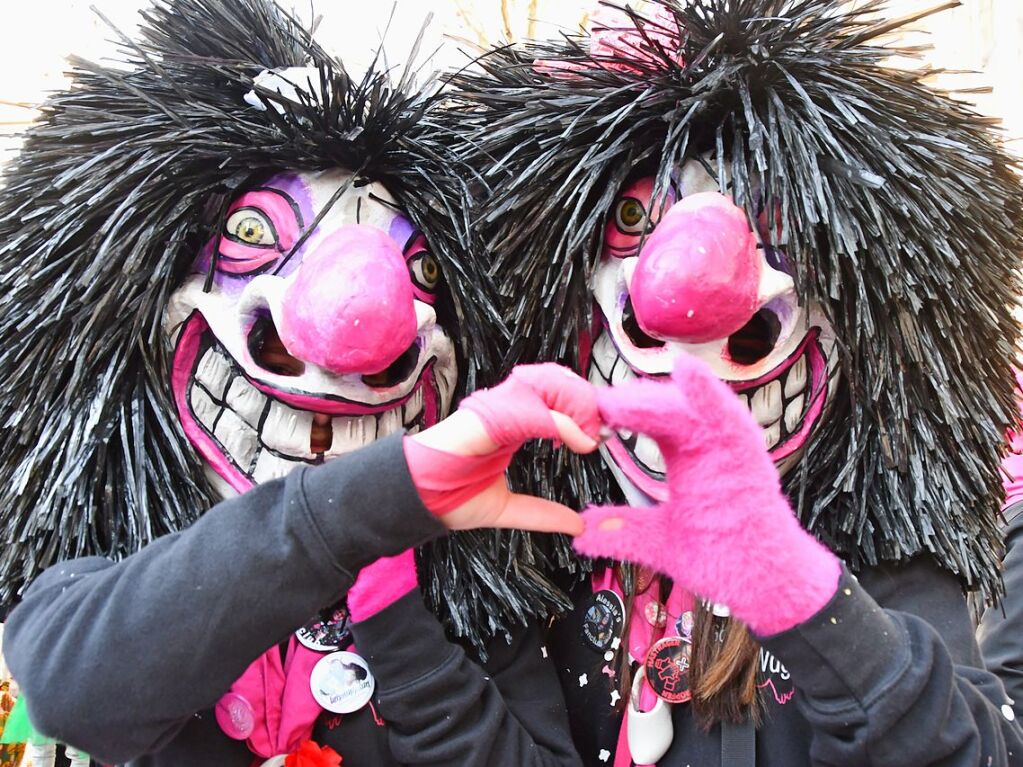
x: 251, y: 227
x: 630, y: 216
x: 425, y: 270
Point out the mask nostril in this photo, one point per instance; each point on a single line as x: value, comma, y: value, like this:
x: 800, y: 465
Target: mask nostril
x: 635, y: 333
x: 397, y: 371
x: 756, y: 339
x: 267, y: 350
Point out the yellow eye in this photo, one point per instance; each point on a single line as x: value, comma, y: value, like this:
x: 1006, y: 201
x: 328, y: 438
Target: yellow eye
x: 630, y: 216
x: 425, y: 270
x: 251, y: 227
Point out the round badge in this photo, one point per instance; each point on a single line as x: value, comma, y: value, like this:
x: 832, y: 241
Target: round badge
x: 326, y: 632
x: 603, y: 619
x: 655, y: 614
x: 667, y: 669
x: 684, y: 625
x: 235, y: 716
x: 341, y: 682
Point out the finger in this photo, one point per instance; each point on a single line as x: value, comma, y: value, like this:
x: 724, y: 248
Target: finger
x: 572, y: 435
x: 563, y: 391
x: 622, y: 532
x: 526, y: 512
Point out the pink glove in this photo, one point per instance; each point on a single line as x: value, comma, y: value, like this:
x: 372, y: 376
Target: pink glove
x: 518, y: 409
x: 512, y: 413
x: 382, y: 583
x: 726, y: 531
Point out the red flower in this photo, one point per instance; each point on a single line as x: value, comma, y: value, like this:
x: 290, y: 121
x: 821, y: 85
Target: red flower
x: 310, y: 754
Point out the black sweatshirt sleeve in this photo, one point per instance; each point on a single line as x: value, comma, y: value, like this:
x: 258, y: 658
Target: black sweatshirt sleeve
x: 115, y: 658
x: 443, y: 709
x: 898, y: 686
x: 1001, y: 631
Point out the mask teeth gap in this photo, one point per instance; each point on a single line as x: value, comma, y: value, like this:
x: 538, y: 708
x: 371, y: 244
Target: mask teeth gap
x: 321, y: 434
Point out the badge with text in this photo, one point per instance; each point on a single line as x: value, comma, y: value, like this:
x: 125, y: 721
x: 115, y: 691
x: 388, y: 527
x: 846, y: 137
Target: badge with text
x: 667, y: 669
x: 326, y: 632
x: 341, y: 682
x: 603, y: 620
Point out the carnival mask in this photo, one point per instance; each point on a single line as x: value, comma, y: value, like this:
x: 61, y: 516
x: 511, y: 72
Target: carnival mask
x: 665, y: 286
x: 307, y: 329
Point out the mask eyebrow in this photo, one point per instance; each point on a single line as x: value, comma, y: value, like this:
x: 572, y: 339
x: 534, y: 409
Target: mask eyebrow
x: 316, y: 221
x: 382, y: 201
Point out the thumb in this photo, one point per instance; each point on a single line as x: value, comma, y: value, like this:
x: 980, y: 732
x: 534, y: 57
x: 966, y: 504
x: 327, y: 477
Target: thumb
x: 526, y: 512
x: 652, y: 407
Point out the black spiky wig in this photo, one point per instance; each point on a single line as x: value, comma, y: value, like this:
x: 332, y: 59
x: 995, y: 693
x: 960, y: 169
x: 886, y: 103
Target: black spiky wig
x: 900, y: 213
x: 123, y: 178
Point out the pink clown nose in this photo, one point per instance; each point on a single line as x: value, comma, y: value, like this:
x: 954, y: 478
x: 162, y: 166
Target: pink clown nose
x: 350, y: 308
x: 698, y: 275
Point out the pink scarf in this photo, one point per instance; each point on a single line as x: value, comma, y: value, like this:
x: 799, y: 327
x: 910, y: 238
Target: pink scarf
x: 282, y: 703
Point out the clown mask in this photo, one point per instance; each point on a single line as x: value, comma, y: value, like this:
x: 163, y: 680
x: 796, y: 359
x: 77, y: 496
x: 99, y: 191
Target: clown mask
x: 687, y: 275
x: 316, y: 334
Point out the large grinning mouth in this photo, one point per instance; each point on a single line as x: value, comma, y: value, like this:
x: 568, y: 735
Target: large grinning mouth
x: 251, y: 433
x: 786, y: 402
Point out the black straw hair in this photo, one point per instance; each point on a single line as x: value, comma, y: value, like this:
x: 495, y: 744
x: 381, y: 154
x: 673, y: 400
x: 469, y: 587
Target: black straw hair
x: 900, y: 213
x: 122, y: 179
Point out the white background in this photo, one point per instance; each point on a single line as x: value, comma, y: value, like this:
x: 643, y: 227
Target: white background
x: 982, y: 35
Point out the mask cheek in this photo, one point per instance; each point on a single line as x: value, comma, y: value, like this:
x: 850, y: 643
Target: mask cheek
x: 618, y: 244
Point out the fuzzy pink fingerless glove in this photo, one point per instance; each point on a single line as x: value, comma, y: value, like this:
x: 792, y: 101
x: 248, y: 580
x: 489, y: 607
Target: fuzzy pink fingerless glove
x: 514, y: 412
x: 726, y: 532
x: 381, y: 584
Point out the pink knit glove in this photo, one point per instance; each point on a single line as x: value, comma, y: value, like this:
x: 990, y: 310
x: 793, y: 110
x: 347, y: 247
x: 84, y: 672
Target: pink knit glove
x: 518, y: 409
x: 382, y: 583
x: 726, y: 531
x: 512, y: 413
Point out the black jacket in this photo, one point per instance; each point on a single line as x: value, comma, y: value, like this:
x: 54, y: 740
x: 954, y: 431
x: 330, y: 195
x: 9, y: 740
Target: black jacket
x: 125, y: 661
x: 1001, y: 630
x: 854, y: 686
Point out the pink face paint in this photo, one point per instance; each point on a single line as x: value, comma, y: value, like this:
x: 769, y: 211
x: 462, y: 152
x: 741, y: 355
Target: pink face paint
x: 350, y: 308
x: 423, y: 269
x: 633, y: 215
x: 699, y: 272
x: 186, y: 355
x: 259, y: 227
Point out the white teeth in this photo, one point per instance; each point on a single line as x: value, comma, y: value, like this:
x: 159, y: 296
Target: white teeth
x: 213, y: 372
x: 621, y: 373
x: 595, y: 377
x: 745, y: 400
x: 237, y: 438
x: 796, y: 380
x: 246, y: 400
x: 772, y: 435
x: 445, y: 388
x: 352, y: 433
x: 649, y: 454
x: 270, y: 466
x: 414, y: 406
x: 604, y: 355
x: 204, y: 408
x: 625, y: 434
x: 793, y: 413
x: 414, y: 429
x: 766, y: 403
x: 388, y: 422
x: 287, y: 430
